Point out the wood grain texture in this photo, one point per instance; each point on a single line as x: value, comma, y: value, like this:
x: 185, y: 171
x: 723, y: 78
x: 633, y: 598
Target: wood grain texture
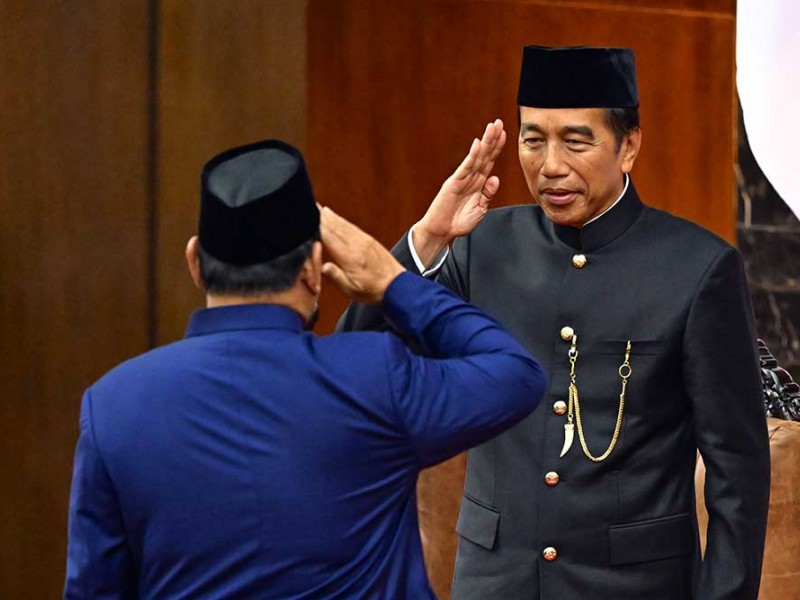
x: 397, y: 91
x: 230, y: 73
x: 723, y: 9
x: 73, y: 217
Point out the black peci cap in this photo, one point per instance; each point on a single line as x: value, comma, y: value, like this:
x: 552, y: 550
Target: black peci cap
x: 256, y: 203
x: 578, y: 77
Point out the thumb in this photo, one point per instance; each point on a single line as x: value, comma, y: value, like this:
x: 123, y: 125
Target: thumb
x: 491, y: 186
x: 335, y: 274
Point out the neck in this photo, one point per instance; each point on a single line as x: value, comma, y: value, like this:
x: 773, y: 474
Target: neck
x: 295, y: 298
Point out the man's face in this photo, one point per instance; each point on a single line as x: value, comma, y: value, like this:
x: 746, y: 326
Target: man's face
x: 571, y: 163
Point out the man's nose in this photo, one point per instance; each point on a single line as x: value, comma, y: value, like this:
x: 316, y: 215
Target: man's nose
x: 554, y: 164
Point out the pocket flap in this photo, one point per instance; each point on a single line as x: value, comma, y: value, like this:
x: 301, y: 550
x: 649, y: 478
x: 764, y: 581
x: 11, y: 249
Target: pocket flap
x: 652, y: 539
x: 477, y: 523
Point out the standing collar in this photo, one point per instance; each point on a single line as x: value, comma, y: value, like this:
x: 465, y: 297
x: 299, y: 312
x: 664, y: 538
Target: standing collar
x: 607, y: 227
x: 624, y: 189
x: 243, y: 317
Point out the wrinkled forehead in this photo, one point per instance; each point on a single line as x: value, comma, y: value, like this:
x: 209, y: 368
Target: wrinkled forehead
x: 559, y: 118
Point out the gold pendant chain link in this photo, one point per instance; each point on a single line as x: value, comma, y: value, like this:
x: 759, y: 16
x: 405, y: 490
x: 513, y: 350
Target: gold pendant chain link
x: 574, y: 410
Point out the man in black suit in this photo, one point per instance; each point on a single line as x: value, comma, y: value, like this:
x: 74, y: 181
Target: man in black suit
x: 642, y: 320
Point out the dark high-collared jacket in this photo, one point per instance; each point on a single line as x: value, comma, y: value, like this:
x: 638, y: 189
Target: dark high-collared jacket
x: 536, y: 526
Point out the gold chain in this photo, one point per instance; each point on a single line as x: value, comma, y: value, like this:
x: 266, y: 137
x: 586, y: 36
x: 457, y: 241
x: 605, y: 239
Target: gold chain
x: 624, y: 371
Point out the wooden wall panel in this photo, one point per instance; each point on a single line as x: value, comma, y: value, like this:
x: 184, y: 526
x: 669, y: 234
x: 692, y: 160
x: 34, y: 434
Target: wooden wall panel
x: 73, y: 283
x: 685, y: 7
x: 229, y: 73
x: 398, y: 90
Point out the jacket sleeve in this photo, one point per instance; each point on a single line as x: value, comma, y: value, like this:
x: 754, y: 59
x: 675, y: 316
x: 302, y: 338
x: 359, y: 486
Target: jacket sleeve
x: 365, y: 317
x: 476, y: 381
x: 723, y: 382
x: 99, y: 564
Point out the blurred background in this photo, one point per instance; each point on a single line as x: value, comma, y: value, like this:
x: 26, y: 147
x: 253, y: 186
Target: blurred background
x: 111, y: 107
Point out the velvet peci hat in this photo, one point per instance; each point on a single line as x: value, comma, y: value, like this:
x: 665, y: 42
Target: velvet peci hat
x: 577, y: 77
x: 256, y: 203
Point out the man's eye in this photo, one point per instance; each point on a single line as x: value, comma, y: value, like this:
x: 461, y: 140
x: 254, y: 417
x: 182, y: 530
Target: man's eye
x: 576, y: 143
x: 532, y: 140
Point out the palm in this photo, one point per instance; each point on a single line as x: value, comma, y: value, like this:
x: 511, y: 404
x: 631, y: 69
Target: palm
x: 466, y: 201
x: 464, y: 197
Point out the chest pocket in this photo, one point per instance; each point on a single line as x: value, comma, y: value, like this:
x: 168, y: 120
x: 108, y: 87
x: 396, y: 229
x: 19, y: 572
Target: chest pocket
x: 651, y: 539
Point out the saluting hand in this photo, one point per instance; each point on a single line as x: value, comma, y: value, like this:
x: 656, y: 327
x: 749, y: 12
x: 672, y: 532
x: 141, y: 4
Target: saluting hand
x: 361, y: 267
x: 464, y: 198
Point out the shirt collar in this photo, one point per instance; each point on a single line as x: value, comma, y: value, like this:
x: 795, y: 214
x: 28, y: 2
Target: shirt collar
x: 243, y: 317
x: 607, y: 226
x: 624, y: 189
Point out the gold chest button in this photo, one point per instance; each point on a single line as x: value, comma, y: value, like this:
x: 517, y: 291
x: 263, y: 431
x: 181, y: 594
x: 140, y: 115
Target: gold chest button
x: 551, y: 478
x: 550, y: 554
x: 579, y: 261
x: 566, y: 333
x: 560, y: 407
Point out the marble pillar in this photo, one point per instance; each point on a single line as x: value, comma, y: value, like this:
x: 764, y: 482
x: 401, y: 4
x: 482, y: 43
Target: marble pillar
x: 768, y: 236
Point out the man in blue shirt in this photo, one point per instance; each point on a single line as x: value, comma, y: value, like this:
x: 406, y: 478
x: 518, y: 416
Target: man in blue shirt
x: 254, y: 459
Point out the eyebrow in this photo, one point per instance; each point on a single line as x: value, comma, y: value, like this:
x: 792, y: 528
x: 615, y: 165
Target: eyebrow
x: 583, y: 130
x: 529, y: 127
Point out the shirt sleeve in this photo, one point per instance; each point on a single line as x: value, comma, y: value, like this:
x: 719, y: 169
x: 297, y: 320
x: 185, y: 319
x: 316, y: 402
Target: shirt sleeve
x: 437, y: 263
x: 99, y: 563
x: 476, y: 382
x: 723, y: 382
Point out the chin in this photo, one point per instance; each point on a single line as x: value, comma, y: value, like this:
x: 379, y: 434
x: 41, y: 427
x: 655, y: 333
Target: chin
x: 568, y: 223
x: 560, y: 216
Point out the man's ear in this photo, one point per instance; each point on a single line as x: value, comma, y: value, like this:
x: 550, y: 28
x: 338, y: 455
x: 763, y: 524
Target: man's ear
x: 630, y: 149
x: 193, y: 261
x: 311, y: 274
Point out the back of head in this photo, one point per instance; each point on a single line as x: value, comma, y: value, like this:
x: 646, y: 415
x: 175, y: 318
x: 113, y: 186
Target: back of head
x: 258, y: 219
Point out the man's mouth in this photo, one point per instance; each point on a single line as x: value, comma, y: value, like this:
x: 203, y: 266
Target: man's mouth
x: 559, y: 195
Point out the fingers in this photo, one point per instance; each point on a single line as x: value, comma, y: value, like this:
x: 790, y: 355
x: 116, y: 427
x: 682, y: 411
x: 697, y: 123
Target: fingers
x: 482, y: 153
x: 467, y: 165
x: 494, y: 138
x: 498, y: 147
x: 333, y: 223
x: 491, y: 135
x: 338, y: 234
x: 360, y: 267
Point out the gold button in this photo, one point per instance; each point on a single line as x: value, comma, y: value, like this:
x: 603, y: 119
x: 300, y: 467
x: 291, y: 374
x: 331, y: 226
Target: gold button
x: 551, y: 478
x: 560, y: 407
x: 566, y: 333
x: 550, y: 554
x: 579, y: 261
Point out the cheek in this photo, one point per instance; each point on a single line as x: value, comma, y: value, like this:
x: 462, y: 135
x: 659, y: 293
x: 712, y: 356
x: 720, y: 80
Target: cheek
x: 531, y: 164
x: 594, y: 173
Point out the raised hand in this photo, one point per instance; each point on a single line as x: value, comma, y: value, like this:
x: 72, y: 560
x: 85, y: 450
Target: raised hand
x: 361, y: 267
x: 464, y: 197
